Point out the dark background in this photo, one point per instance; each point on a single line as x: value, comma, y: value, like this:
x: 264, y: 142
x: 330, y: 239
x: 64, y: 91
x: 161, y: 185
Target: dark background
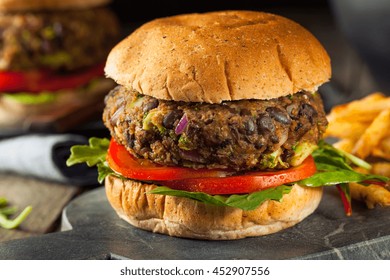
x: 128, y: 11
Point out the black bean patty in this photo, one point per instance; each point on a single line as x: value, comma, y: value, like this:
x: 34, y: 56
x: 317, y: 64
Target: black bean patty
x: 239, y: 135
x: 63, y: 40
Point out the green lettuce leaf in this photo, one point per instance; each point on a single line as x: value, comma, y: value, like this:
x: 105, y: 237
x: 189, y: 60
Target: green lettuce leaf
x: 334, y: 177
x: 91, y: 154
x: 345, y: 159
x: 245, y: 202
x: 335, y: 167
x: 32, y: 99
x: 104, y: 170
x: 45, y: 97
x: 5, y: 211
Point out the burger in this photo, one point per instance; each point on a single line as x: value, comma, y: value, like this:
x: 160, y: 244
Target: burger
x: 216, y: 127
x: 52, y: 56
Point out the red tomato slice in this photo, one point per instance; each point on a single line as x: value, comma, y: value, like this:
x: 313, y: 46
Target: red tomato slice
x: 128, y: 166
x: 43, y: 80
x: 211, y: 181
x: 246, y: 183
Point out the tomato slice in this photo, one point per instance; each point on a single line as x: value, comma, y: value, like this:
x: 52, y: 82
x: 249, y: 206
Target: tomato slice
x: 128, y: 166
x: 247, y: 183
x: 44, y: 80
x: 210, y: 181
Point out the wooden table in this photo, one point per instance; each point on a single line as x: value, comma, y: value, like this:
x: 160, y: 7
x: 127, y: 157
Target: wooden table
x: 46, y: 198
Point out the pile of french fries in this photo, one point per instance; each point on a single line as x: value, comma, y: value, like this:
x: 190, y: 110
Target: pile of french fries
x: 362, y: 128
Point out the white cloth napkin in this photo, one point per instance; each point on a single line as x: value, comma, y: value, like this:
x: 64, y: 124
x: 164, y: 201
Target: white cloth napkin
x: 44, y: 157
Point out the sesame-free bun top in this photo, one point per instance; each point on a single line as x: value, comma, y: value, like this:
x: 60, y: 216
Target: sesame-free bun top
x: 217, y: 56
x: 36, y: 5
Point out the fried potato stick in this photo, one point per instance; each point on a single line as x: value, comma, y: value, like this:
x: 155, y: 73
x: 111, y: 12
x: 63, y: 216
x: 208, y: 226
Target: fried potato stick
x: 373, y: 135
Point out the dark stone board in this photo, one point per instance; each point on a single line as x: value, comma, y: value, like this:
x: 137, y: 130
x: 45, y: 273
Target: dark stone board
x: 96, y: 232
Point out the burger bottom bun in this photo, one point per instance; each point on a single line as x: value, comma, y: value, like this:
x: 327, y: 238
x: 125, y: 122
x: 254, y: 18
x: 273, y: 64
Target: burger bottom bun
x: 183, y: 217
x: 80, y: 103
x: 23, y: 5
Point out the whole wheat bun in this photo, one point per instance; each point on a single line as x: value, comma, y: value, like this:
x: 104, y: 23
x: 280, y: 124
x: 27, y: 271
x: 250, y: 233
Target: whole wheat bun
x: 183, y: 217
x: 34, y: 5
x: 217, y: 56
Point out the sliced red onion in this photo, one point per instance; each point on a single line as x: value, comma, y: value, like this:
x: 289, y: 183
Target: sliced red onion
x: 181, y: 125
x: 114, y: 117
x: 283, y: 138
x: 191, y: 156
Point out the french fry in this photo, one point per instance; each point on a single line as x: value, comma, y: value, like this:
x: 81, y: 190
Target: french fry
x: 378, y: 152
x: 381, y: 168
x: 346, y: 129
x: 363, y: 110
x: 372, y: 195
x: 385, y: 144
x: 373, y: 135
x: 345, y: 145
x: 363, y: 129
x: 373, y: 97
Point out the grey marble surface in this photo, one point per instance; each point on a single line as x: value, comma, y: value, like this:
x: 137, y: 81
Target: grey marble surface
x: 94, y: 231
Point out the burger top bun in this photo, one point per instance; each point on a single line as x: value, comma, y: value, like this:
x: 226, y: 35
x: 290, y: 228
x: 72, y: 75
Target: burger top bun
x: 34, y: 5
x: 217, y: 56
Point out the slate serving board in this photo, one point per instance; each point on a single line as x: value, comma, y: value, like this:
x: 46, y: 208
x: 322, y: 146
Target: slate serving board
x: 96, y: 232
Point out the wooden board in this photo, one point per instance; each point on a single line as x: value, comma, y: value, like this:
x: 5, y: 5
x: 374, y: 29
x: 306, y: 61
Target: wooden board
x: 47, y: 199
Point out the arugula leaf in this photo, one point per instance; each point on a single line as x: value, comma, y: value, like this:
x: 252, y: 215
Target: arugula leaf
x: 244, y: 202
x: 334, y: 177
x: 11, y: 224
x: 355, y: 160
x: 334, y: 163
x: 93, y: 154
x: 334, y: 168
x: 331, y: 153
x: 104, y: 170
x: 5, y: 211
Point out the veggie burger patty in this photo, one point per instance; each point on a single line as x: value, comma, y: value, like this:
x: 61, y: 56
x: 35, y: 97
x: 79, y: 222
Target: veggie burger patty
x: 241, y: 135
x: 56, y: 40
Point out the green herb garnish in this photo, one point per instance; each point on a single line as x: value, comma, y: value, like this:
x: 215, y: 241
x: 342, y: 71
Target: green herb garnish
x: 93, y: 154
x: 6, y: 211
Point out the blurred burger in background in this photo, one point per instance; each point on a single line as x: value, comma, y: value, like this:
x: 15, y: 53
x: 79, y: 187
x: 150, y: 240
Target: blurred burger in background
x: 52, y: 55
